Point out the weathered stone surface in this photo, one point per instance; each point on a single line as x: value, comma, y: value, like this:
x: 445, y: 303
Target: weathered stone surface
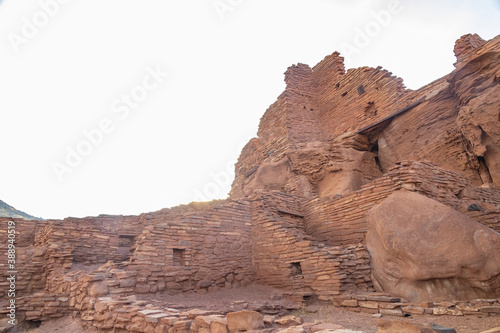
x: 423, y: 250
x: 126, y: 283
x: 289, y: 321
x: 218, y: 325
x: 442, y: 329
x: 293, y: 329
x: 244, y: 321
x: 350, y: 303
x: 491, y: 309
x: 142, y: 289
x: 325, y: 327
x: 413, y: 309
x: 99, y: 289
x: 478, y: 121
x: 204, y: 284
x: 205, y: 321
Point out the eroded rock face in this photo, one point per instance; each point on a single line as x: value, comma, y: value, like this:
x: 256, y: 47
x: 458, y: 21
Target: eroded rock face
x: 476, y: 83
x: 423, y: 250
x: 338, y: 166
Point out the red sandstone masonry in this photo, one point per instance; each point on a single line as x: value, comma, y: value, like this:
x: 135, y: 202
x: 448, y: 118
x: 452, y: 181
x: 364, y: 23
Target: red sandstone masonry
x: 285, y: 257
x: 395, y: 306
x: 207, y: 250
x: 30, y: 260
x: 343, y: 221
x: 94, y: 239
x: 214, y: 240
x: 312, y: 247
x: 359, y: 98
x: 325, y: 102
x: 302, y: 111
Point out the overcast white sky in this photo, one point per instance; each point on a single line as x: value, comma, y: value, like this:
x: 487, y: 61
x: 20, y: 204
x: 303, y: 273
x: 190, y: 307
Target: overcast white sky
x: 67, y: 69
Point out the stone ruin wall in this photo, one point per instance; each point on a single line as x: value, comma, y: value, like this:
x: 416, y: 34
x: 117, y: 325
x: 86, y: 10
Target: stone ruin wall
x: 276, y: 229
x: 204, y: 251
x: 357, y: 98
x: 286, y: 257
x: 94, y: 240
x: 30, y: 260
x: 54, y: 245
x: 311, y: 248
x: 177, y: 250
x: 449, y: 122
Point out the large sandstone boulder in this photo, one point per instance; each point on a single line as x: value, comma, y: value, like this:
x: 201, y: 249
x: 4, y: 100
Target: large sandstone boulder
x: 423, y: 250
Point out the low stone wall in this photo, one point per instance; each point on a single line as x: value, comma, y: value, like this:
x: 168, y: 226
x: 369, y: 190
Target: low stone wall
x: 42, y: 306
x: 394, y: 306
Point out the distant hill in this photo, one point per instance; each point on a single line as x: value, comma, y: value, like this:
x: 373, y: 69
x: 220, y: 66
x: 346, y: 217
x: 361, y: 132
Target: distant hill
x: 9, y: 211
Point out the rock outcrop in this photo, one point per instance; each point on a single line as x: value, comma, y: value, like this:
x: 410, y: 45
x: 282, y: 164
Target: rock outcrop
x: 423, y: 250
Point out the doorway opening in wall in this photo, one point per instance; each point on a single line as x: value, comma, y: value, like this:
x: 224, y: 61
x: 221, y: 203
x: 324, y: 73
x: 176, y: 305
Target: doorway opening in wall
x: 296, y: 269
x: 125, y: 243
x: 179, y: 257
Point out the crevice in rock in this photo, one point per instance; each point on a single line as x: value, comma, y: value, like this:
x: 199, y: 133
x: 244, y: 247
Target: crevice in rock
x: 484, y: 172
x: 374, y: 150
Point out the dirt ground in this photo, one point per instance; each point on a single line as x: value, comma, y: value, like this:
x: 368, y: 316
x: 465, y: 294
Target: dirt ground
x: 224, y: 300
x: 227, y: 300
x: 60, y: 325
x: 365, y: 322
